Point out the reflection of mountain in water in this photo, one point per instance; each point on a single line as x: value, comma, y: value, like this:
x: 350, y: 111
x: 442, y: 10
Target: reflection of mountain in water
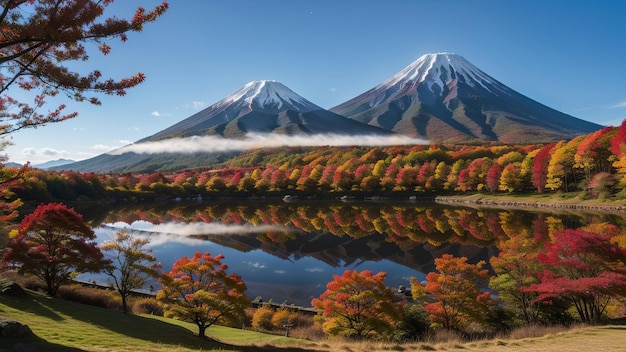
x: 344, y: 250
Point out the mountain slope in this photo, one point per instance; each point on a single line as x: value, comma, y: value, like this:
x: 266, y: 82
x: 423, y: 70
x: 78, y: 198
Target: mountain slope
x: 259, y: 106
x: 445, y: 99
x: 265, y: 107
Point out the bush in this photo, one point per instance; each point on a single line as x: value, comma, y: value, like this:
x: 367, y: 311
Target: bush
x: 284, y: 316
x: 262, y: 318
x: 146, y: 306
x: 91, y: 296
x: 28, y: 282
x: 414, y: 324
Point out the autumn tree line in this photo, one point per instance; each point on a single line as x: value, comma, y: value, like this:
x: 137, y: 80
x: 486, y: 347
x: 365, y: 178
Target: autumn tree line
x: 593, y: 164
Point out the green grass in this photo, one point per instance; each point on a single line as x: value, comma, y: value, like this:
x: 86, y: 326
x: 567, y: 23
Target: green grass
x: 66, y: 326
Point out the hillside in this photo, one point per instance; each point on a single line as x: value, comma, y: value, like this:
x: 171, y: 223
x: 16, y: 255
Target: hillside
x: 64, y: 326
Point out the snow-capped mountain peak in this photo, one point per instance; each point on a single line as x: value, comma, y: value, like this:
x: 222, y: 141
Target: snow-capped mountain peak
x: 270, y: 96
x: 437, y: 71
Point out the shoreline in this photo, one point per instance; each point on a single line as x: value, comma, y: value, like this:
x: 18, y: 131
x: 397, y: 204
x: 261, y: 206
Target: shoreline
x: 552, y: 202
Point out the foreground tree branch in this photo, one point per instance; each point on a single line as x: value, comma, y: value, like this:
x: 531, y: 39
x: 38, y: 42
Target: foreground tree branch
x: 38, y: 37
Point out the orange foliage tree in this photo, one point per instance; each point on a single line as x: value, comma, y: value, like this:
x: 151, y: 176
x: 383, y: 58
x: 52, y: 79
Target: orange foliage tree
x: 199, y: 290
x: 358, y: 304
x: 516, y: 267
x: 452, y: 296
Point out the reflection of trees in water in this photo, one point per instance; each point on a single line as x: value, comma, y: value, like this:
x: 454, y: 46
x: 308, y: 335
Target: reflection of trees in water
x: 336, y: 233
x: 429, y: 223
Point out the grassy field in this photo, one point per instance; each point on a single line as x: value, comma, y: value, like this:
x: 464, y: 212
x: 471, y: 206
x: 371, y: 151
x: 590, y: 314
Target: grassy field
x: 66, y: 326
x: 61, y: 325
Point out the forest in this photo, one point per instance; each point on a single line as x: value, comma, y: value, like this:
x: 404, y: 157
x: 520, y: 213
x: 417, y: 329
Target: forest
x: 593, y: 165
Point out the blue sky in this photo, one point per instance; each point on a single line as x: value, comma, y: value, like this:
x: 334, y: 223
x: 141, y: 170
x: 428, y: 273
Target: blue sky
x: 568, y: 55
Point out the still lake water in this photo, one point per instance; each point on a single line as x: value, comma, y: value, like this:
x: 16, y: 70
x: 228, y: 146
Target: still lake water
x: 288, y: 252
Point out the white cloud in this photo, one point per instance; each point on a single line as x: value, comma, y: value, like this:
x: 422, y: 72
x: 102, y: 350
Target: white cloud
x: 621, y: 104
x: 197, y: 104
x: 200, y: 228
x: 102, y: 147
x: 43, y: 152
x: 156, y: 113
x: 255, y: 140
x: 106, y: 148
x: 178, y: 232
x: 257, y: 265
x: 314, y: 270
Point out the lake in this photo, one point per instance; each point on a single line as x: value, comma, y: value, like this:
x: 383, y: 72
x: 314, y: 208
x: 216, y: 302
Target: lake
x: 288, y: 252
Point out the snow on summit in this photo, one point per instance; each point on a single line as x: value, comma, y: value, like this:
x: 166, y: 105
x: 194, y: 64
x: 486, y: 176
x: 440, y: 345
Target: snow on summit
x: 438, y: 70
x: 269, y: 96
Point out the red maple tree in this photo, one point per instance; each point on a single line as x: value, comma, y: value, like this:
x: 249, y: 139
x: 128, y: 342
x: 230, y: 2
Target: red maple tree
x: 53, y: 243
x: 539, y: 173
x: 585, y: 268
x: 36, y: 37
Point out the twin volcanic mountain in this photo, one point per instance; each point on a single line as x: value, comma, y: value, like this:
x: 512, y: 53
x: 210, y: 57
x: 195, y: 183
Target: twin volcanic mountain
x: 441, y: 98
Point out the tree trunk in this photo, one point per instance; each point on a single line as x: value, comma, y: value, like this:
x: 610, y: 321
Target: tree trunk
x: 124, y: 303
x: 201, y: 331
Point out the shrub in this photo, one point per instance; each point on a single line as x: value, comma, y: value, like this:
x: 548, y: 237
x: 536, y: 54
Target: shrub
x: 262, y: 318
x: 28, y: 282
x: 414, y: 324
x: 91, y: 296
x: 284, y: 316
x: 146, y: 305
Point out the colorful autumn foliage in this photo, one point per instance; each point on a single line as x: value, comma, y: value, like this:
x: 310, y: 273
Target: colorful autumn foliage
x: 54, y: 244
x: 585, y: 268
x: 452, y: 296
x: 199, y: 290
x: 358, y: 304
x: 38, y: 37
x: 585, y: 163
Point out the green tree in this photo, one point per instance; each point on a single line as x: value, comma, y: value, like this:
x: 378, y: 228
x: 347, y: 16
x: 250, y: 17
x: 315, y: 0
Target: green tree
x: 132, y: 265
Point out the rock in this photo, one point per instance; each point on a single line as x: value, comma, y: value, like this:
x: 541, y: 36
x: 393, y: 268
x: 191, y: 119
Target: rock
x: 13, y: 289
x: 14, y: 329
